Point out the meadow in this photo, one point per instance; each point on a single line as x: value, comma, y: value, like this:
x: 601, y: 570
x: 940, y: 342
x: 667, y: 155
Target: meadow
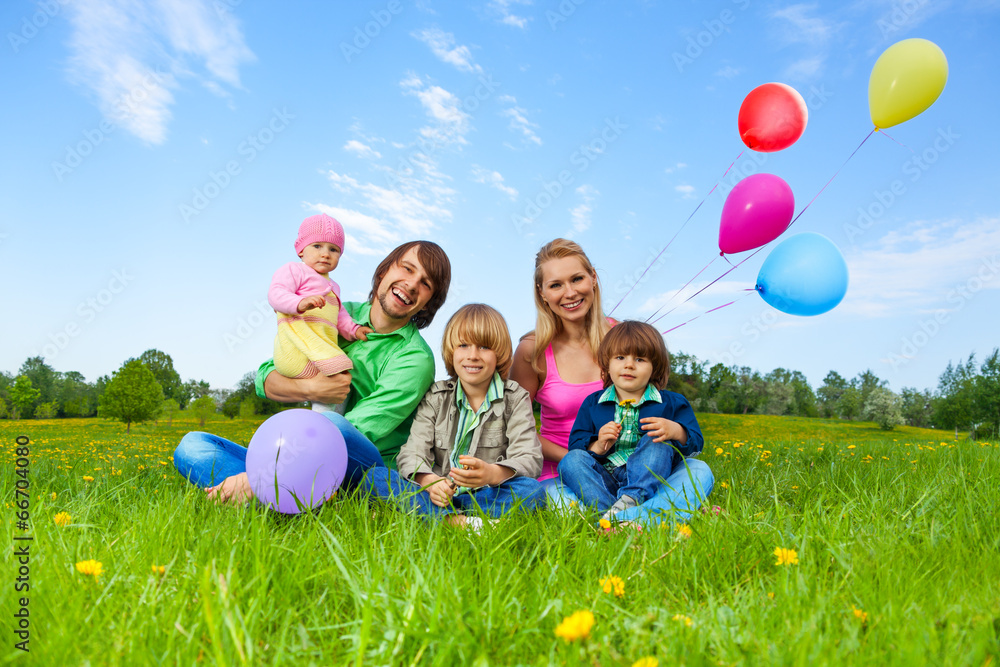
x: 834, y: 543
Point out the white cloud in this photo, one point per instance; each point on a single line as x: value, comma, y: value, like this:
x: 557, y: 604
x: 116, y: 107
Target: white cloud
x: 799, y: 27
x: 917, y: 268
x: 519, y: 121
x: 580, y: 214
x: 728, y: 72
x: 361, y: 150
x: 501, y: 8
x: 451, y: 124
x: 668, y: 309
x: 442, y: 45
x: 806, y: 68
x: 493, y: 179
x: 686, y: 190
x: 113, y: 42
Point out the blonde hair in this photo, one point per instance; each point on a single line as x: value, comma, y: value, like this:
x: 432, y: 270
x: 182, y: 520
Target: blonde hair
x: 477, y: 324
x: 640, y: 340
x: 547, y: 325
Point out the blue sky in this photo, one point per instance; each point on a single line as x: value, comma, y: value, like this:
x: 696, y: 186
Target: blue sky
x: 160, y: 154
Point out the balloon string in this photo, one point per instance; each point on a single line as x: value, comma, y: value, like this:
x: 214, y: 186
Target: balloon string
x: 712, y: 310
x: 903, y: 145
x: 769, y: 242
x: 675, y: 234
x: 681, y: 289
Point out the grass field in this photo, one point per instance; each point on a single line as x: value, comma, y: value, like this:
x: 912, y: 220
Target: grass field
x: 896, y: 538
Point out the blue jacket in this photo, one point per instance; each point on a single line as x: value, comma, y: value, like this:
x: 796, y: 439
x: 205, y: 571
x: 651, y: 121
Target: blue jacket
x: 675, y: 407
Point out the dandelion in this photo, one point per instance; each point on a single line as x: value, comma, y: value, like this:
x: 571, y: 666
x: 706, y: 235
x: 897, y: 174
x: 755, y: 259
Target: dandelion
x: 770, y: 595
x: 159, y: 569
x: 686, y: 620
x: 718, y: 451
x: 604, y: 524
x: 53, y: 496
x: 649, y: 661
x: 859, y: 614
x: 613, y: 584
x: 724, y: 485
x: 684, y: 530
x: 575, y: 626
x: 62, y: 518
x: 90, y: 567
x: 786, y: 556
x: 851, y: 446
x: 88, y: 478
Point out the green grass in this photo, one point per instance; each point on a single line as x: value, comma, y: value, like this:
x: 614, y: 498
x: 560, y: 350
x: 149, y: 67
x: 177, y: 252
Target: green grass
x: 903, y: 526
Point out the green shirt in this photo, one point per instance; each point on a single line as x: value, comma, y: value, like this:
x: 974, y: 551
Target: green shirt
x: 627, y: 414
x: 391, y: 373
x: 468, y: 419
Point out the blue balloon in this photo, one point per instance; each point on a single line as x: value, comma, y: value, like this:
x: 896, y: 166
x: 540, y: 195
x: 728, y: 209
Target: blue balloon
x: 804, y: 275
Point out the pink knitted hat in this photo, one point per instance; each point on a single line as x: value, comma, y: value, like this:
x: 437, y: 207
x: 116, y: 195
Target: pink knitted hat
x: 319, y: 228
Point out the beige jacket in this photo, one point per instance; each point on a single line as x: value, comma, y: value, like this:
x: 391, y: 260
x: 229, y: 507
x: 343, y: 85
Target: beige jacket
x: 505, y: 434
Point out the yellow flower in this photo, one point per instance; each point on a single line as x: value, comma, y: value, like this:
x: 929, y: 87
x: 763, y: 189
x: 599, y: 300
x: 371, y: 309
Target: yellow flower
x: 62, y: 518
x: 53, y: 496
x: 613, y: 583
x: 861, y: 615
x: 575, y: 626
x: 686, y: 620
x: 605, y: 524
x: 786, y: 556
x: 770, y: 595
x: 850, y: 446
x: 646, y: 662
x: 88, y: 478
x: 718, y: 451
x: 159, y: 569
x: 724, y: 485
x: 684, y: 530
x: 90, y: 567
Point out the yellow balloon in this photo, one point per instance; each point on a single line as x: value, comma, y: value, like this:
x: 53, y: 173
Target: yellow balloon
x: 906, y: 79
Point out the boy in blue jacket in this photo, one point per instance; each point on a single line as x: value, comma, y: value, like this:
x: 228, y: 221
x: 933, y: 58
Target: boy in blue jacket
x: 628, y: 437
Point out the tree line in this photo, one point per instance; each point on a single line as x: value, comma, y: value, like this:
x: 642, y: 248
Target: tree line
x: 967, y: 397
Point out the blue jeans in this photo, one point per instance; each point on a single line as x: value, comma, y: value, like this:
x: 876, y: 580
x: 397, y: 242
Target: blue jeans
x: 206, y: 460
x: 641, y: 476
x: 520, y: 492
x: 687, y: 484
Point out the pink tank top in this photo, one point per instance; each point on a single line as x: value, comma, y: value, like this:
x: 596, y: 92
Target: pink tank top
x: 560, y: 401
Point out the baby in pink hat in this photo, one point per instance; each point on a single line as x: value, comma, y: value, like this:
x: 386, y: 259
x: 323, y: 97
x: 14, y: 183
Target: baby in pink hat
x: 308, y: 306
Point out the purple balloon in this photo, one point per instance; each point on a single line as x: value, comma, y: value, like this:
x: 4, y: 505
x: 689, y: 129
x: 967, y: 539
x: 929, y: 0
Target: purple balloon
x: 756, y: 212
x: 296, y: 454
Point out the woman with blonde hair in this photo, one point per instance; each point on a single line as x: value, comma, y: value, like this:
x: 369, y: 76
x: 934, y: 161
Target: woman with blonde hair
x: 557, y: 364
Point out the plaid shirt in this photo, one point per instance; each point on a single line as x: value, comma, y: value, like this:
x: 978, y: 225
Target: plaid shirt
x: 468, y: 419
x: 627, y: 414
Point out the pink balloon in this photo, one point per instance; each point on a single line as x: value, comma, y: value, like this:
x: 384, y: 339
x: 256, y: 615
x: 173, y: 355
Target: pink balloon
x: 756, y: 212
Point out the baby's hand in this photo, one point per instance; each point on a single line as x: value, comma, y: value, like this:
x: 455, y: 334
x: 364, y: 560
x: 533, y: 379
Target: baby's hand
x: 309, y: 302
x: 362, y: 333
x: 606, y: 438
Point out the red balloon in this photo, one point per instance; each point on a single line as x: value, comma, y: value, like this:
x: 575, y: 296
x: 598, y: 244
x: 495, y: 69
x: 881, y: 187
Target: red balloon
x: 772, y: 117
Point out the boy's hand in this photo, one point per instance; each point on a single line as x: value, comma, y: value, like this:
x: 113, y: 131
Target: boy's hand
x: 362, y: 333
x: 661, y: 429
x: 440, y: 489
x: 475, y: 473
x: 606, y: 438
x: 315, y: 301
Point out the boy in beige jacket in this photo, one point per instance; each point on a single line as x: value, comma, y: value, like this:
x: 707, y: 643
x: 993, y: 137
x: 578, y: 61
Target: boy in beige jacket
x: 473, y: 441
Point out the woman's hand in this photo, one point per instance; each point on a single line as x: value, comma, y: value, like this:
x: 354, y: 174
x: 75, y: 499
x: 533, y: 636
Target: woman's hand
x: 661, y: 429
x: 440, y: 489
x: 234, y: 489
x: 606, y: 438
x: 475, y: 473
